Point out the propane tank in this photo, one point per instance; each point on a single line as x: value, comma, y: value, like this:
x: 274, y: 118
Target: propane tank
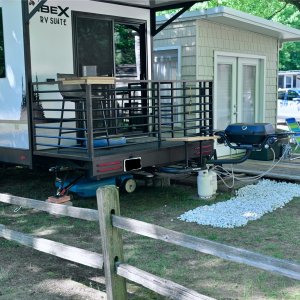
x: 206, y: 183
x: 214, y: 180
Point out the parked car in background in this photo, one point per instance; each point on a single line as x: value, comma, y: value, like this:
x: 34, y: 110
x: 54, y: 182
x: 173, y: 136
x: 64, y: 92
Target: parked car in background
x: 289, y: 94
x: 288, y: 104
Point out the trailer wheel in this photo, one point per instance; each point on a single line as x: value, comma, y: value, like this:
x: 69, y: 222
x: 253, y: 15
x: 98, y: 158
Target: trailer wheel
x: 129, y: 185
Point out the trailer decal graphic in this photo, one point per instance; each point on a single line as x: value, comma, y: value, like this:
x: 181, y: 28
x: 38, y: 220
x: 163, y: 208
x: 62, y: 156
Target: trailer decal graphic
x: 61, y: 14
x: 54, y: 10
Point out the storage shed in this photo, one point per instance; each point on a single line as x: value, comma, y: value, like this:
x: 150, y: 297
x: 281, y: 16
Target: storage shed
x: 236, y: 50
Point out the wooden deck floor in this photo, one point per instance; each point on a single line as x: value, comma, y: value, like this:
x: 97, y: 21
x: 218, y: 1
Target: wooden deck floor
x: 285, y: 169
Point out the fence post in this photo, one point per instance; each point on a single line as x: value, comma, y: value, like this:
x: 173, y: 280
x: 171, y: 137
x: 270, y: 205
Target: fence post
x: 112, y: 245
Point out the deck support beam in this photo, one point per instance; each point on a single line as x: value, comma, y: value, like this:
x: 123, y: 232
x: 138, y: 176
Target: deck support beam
x: 154, y: 30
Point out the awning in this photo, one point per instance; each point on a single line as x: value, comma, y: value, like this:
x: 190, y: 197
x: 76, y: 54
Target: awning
x: 154, y: 4
x: 158, y: 5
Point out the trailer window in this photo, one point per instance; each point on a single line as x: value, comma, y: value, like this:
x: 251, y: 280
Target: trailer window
x: 94, y: 45
x: 2, y: 62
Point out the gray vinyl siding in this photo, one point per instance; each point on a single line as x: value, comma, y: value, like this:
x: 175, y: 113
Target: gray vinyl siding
x: 199, y: 39
x: 213, y: 37
x: 184, y: 35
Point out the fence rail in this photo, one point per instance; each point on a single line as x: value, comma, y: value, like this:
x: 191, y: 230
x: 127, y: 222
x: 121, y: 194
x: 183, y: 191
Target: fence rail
x: 282, y: 267
x: 52, y: 208
x: 159, y: 285
x: 74, y: 254
x: 116, y: 271
x: 108, y: 204
x: 77, y: 255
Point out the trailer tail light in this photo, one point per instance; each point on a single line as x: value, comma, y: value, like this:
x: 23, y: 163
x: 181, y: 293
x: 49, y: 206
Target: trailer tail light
x: 109, y: 166
x: 131, y: 164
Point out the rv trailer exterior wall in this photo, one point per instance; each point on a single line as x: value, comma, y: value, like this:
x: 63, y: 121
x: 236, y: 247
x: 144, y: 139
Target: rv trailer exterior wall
x: 13, y: 131
x: 51, y: 34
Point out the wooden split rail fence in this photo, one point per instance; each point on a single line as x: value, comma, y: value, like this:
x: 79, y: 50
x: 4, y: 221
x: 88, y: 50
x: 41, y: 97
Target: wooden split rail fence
x: 81, y: 256
x: 116, y: 270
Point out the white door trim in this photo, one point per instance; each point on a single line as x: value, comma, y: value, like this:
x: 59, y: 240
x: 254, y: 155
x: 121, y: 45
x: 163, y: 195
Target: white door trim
x: 260, y: 107
x: 238, y: 54
x: 240, y: 60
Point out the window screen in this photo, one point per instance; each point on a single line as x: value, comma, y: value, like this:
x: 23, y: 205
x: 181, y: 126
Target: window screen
x: 2, y: 61
x: 94, y: 46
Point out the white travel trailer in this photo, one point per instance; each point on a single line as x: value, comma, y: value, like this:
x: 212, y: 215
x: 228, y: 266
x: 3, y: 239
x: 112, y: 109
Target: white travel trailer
x: 76, y: 88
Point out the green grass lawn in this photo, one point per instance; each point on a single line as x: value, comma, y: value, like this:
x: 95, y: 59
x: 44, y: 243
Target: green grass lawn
x: 276, y: 234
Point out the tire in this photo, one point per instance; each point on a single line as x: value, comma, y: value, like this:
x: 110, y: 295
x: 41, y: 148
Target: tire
x: 129, y: 185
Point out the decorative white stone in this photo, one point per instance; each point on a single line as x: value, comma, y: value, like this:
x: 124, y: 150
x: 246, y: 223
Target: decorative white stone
x: 250, y: 203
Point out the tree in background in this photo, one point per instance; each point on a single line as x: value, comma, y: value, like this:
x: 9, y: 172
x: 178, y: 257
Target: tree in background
x: 285, y: 12
x: 289, y: 55
x: 294, y: 2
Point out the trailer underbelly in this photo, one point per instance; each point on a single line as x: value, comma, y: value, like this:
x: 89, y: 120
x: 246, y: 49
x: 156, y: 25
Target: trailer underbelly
x: 110, y: 162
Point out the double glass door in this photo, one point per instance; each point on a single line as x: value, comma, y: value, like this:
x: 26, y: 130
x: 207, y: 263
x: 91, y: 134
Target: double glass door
x: 239, y: 93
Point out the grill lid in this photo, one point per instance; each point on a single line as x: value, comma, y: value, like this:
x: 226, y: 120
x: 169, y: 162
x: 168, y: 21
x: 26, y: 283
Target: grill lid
x: 248, y: 133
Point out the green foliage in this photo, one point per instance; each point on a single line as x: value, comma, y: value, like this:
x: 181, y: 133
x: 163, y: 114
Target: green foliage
x: 289, y: 56
x: 276, y: 10
x: 263, y: 9
x: 2, y: 63
x: 125, y: 45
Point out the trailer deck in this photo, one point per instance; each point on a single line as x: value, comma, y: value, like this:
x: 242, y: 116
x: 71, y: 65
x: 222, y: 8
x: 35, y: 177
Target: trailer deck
x: 105, y: 124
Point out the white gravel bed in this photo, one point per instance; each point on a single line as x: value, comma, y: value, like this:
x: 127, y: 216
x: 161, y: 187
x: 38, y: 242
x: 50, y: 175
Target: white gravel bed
x: 250, y: 203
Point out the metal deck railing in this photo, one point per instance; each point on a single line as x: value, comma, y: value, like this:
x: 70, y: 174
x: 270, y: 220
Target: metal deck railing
x: 88, y: 119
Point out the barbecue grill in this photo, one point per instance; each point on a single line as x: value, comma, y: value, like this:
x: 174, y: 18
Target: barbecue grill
x: 249, y: 134
x: 249, y: 137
